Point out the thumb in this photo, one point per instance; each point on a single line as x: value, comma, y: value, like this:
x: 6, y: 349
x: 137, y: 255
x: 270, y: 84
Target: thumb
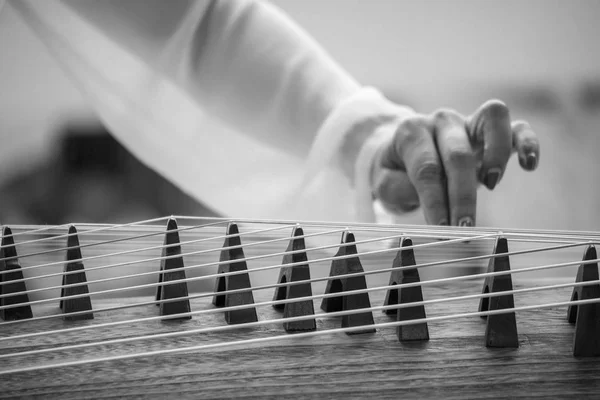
x: 394, y: 190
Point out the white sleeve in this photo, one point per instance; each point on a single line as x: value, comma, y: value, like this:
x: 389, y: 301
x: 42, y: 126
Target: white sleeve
x: 228, y: 99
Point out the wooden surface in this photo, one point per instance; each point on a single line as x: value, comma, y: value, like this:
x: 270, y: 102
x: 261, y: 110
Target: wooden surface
x: 454, y: 363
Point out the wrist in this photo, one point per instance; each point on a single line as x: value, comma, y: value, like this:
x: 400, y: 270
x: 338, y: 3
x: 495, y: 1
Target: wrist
x: 348, y: 140
x: 366, y: 167
x: 371, y: 121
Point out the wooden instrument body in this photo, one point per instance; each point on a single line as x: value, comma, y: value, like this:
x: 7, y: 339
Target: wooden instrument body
x: 453, y: 363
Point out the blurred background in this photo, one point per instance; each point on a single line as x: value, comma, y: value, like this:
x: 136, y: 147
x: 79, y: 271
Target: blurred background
x: 59, y: 164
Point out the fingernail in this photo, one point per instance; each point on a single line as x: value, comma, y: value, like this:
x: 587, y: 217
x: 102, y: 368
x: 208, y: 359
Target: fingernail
x: 531, y: 160
x: 492, y: 178
x: 465, y: 221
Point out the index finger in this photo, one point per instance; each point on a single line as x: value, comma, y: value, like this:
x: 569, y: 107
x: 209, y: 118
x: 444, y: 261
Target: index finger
x: 459, y: 165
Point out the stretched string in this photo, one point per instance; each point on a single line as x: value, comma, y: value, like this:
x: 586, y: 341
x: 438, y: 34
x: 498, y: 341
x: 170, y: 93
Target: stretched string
x: 100, y: 243
x: 198, y: 252
x: 439, y: 232
x: 150, y: 248
x: 218, y: 249
x: 271, y: 338
x: 359, y: 226
x: 33, y: 230
x: 294, y: 300
x: 312, y: 280
x: 272, y: 321
x: 102, y: 228
x: 223, y: 274
x: 186, y: 253
x: 140, y: 261
x: 359, y: 274
x: 146, y: 248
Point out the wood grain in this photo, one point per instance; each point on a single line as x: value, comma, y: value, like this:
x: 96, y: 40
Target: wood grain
x: 454, y: 363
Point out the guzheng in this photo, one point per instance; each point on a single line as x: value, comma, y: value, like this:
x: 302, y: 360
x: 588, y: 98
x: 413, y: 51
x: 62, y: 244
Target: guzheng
x: 184, y: 307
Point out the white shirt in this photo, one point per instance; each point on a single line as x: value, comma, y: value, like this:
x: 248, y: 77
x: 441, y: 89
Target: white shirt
x: 230, y: 100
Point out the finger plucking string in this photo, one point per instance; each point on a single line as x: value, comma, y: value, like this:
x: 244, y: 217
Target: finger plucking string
x: 413, y: 149
x: 459, y: 164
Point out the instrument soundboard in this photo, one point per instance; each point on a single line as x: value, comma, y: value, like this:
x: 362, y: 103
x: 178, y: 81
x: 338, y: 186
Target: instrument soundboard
x: 189, y: 307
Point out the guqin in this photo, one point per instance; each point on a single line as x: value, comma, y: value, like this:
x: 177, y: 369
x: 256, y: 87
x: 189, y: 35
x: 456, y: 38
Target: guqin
x: 185, y: 307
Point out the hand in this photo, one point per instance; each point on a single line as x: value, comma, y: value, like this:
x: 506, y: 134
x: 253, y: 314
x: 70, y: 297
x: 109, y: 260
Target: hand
x: 437, y: 161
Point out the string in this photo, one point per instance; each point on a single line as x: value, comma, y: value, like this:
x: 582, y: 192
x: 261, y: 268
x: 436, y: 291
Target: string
x: 364, y: 290
x: 196, y: 253
x: 271, y: 338
x: 184, y: 253
x: 134, y: 250
x: 218, y: 220
x: 147, y: 248
x: 122, y: 264
x: 147, y: 260
x: 223, y: 274
x: 102, y: 228
x: 140, y: 250
x: 358, y: 274
x: 34, y: 229
x: 295, y: 300
x: 359, y: 226
x: 312, y: 280
x: 98, y: 243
